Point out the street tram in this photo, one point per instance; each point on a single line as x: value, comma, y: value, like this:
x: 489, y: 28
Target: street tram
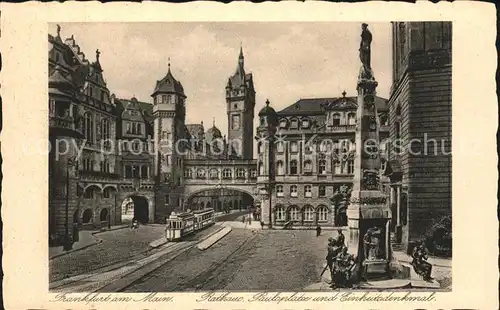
x: 183, y: 224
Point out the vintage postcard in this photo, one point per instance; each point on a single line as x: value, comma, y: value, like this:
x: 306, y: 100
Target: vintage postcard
x: 285, y: 155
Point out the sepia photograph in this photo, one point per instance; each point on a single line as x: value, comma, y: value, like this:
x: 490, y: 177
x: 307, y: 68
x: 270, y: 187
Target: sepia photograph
x: 250, y: 156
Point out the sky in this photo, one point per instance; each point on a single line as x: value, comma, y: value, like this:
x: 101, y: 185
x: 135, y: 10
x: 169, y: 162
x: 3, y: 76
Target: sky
x: 289, y: 61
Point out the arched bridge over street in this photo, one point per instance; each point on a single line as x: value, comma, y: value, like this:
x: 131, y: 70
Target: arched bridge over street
x: 232, y: 174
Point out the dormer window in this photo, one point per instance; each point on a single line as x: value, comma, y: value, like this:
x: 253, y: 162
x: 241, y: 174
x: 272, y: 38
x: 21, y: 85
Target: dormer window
x: 294, y: 124
x: 336, y: 120
x: 305, y: 123
x: 283, y: 123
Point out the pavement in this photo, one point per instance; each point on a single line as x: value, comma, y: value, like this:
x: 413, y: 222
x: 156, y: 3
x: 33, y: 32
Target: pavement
x: 114, y: 246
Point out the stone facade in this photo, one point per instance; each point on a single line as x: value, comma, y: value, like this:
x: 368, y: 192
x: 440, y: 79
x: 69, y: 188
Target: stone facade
x: 313, y: 158
x: 420, y: 109
x: 123, y: 165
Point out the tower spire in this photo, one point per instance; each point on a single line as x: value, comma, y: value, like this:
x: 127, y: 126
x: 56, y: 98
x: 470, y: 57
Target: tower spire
x: 213, y: 122
x: 168, y: 64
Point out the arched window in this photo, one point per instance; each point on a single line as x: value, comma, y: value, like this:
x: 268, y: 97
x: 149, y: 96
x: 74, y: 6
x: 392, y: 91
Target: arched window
x: 279, y: 191
x: 322, y: 214
x: 104, y: 215
x: 351, y: 119
x: 202, y: 205
x: 240, y: 173
x: 108, y: 192
x: 293, y: 213
x: 322, y: 166
x: 336, y: 119
x: 280, y: 168
x: 308, y: 214
x: 87, y: 216
x: 293, y: 167
x: 293, y: 191
x: 188, y: 173
x: 214, y: 173
x: 280, y: 213
x: 308, y: 191
x: 227, y: 173
x: 91, y: 192
x: 261, y: 168
x: 200, y: 173
x: 88, y: 127
x: 308, y: 166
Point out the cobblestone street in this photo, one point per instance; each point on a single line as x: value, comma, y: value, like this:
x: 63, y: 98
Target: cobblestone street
x: 272, y: 260
x: 116, y: 245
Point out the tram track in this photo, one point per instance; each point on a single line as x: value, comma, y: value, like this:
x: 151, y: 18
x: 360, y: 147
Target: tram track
x: 208, y: 277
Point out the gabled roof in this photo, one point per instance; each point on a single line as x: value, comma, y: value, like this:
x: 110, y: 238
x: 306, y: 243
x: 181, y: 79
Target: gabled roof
x: 145, y: 108
x: 316, y: 106
x: 195, y: 129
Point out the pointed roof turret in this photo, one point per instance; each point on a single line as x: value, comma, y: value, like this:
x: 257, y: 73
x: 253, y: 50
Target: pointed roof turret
x: 169, y: 85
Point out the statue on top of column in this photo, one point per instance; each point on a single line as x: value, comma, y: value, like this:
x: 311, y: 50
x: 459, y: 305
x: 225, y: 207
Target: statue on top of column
x: 365, y: 51
x: 364, y: 47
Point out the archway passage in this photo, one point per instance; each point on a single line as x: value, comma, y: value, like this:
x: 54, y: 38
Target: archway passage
x: 224, y: 201
x: 135, y: 207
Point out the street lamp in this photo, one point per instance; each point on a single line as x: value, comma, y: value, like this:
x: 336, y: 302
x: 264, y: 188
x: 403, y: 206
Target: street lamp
x: 68, y: 243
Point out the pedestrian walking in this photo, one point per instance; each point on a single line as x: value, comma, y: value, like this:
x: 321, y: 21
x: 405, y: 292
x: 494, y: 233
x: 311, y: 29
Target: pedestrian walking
x: 261, y: 224
x: 318, y: 231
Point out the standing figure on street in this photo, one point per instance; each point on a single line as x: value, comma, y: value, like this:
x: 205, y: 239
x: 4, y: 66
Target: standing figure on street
x: 330, y: 256
x: 318, y: 231
x: 135, y: 225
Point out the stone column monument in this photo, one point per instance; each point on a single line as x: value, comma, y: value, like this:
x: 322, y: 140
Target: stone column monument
x: 368, y: 215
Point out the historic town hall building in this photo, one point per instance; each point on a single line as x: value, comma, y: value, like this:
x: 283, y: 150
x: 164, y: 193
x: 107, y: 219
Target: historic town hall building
x: 117, y: 158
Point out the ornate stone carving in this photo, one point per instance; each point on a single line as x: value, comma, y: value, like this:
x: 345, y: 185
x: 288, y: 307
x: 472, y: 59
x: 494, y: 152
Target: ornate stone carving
x: 370, y: 180
x: 368, y: 201
x: 372, y: 124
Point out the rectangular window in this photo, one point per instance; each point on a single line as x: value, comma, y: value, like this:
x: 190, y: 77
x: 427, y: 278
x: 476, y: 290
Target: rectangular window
x: 163, y: 98
x: 322, y: 191
x: 279, y: 191
x: 139, y: 129
x: 279, y: 147
x: 293, y: 167
x: 129, y: 128
x: 294, y: 148
x: 167, y: 200
x: 235, y: 122
x: 308, y: 191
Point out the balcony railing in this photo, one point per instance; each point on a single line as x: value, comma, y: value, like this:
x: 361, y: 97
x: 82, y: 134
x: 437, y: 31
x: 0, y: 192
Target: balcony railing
x: 98, y: 174
x: 342, y: 128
